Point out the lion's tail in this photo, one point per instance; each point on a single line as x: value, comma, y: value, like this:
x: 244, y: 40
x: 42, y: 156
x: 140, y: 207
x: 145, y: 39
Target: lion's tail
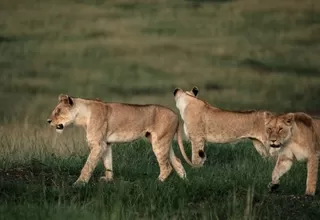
x: 183, y: 152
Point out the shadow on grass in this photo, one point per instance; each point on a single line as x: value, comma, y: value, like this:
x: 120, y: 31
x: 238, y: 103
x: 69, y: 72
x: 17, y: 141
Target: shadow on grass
x: 98, y: 34
x: 33, y: 174
x: 306, y: 41
x: 166, y: 31
x: 309, y: 38
x: 292, y: 206
x: 198, y: 3
x: 208, y: 1
x: 4, y: 39
x: 278, y: 67
x: 311, y: 17
x: 45, y: 37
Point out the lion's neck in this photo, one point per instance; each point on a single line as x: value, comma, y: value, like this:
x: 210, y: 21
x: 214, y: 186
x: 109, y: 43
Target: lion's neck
x: 246, y: 125
x: 181, y: 104
x: 82, y: 112
x: 257, y: 123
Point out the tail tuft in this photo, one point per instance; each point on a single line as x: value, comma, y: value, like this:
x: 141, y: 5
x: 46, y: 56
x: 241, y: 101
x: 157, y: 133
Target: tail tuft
x: 201, y: 154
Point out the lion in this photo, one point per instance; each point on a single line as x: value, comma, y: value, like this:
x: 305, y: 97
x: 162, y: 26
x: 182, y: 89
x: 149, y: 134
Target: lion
x: 294, y: 136
x: 205, y: 123
x: 107, y: 123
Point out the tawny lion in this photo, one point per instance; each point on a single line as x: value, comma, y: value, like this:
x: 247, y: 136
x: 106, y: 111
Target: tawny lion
x: 107, y: 123
x: 294, y: 136
x: 205, y: 123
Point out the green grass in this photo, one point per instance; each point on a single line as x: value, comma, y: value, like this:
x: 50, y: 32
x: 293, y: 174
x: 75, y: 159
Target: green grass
x: 244, y: 54
x: 232, y: 185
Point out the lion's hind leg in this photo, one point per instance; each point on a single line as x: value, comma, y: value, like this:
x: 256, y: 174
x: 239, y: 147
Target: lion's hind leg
x: 312, y: 176
x: 177, y: 165
x: 107, y: 162
x: 198, y: 154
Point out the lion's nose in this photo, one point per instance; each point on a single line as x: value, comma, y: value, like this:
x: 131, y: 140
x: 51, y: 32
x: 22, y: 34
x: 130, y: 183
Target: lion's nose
x: 49, y: 121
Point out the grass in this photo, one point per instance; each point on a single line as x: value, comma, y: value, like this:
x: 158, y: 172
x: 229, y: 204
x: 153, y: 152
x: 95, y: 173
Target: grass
x: 232, y: 185
x: 245, y: 54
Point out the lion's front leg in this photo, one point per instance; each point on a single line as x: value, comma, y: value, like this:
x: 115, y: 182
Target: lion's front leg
x: 90, y: 165
x: 283, y: 165
x: 312, y: 176
x: 261, y: 148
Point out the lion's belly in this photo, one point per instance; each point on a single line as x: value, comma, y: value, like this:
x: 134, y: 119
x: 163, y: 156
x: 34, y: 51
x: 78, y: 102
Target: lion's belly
x: 122, y: 137
x: 222, y: 137
x: 219, y: 138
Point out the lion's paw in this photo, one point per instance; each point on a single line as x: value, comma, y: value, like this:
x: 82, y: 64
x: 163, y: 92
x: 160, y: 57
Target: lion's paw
x: 273, y: 187
x: 79, y: 184
x: 105, y: 179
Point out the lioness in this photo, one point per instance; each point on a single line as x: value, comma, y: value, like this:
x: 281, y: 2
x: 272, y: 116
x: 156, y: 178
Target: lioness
x: 107, y: 123
x: 203, y: 122
x: 296, y: 137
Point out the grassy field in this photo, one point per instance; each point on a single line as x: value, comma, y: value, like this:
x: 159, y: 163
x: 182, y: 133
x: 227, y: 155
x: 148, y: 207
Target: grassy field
x: 244, y: 54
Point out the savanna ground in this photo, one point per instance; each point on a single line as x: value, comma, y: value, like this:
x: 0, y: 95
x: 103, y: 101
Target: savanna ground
x: 245, y: 54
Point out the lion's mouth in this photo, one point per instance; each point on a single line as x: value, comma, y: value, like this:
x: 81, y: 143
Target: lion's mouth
x: 275, y: 145
x: 59, y: 127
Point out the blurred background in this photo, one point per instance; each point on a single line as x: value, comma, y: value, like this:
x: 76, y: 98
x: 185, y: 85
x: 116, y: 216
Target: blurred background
x: 242, y: 54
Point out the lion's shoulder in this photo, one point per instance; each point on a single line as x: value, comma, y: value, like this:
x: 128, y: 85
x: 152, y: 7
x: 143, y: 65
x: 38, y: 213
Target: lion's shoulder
x: 305, y: 119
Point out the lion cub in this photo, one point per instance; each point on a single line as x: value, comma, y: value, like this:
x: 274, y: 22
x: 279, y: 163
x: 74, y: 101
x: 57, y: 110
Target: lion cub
x: 203, y: 122
x: 107, y: 123
x: 294, y: 136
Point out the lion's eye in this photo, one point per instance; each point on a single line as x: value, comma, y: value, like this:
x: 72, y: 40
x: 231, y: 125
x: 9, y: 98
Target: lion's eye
x: 269, y: 129
x: 280, y: 129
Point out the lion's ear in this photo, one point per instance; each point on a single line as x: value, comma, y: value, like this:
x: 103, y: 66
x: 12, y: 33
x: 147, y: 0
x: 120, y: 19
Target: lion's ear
x: 66, y: 99
x: 175, y: 91
x: 288, y: 119
x: 195, y: 91
x: 62, y: 97
x: 267, y: 115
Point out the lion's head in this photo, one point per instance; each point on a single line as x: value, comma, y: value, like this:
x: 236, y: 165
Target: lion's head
x: 278, y: 129
x: 63, y: 114
x: 193, y: 92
